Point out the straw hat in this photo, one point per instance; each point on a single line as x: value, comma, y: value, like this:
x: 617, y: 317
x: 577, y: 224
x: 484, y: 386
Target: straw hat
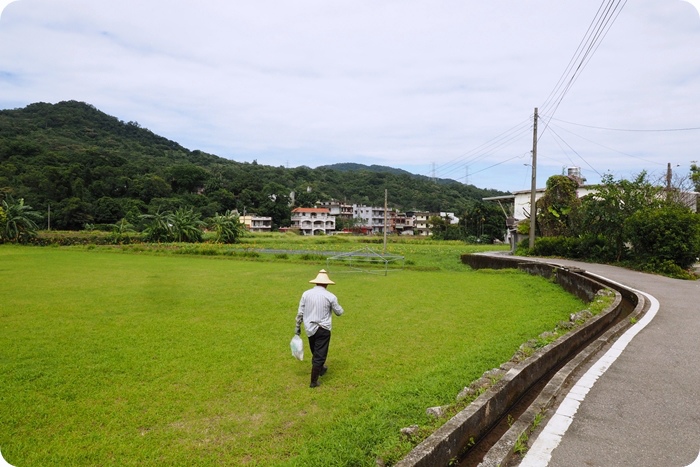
x: 322, y: 278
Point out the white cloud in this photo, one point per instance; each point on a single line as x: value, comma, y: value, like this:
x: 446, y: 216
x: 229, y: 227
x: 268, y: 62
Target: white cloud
x: 401, y: 83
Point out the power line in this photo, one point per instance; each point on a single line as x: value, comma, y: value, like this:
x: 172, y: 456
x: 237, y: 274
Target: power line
x: 579, y: 155
x: 570, y: 65
x: 627, y: 129
x: 599, y: 28
x: 588, y: 46
x: 606, y: 147
x: 484, y: 150
x: 496, y: 164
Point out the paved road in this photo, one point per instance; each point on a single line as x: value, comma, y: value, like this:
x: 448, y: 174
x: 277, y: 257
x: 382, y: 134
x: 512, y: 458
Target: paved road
x: 644, y: 410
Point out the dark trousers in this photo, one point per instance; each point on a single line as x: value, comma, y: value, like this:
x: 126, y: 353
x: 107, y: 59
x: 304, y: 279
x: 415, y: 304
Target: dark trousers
x: 318, y: 343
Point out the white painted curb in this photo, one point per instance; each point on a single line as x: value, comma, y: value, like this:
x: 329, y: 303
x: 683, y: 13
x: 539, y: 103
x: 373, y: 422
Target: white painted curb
x: 540, y: 453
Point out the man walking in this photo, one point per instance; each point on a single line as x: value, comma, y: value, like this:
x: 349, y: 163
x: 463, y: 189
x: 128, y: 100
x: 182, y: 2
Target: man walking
x: 315, y: 309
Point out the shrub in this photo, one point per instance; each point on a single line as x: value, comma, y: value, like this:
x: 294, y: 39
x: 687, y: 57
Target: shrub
x: 587, y: 247
x: 670, y: 234
x: 554, y: 246
x: 665, y: 267
x: 312, y: 257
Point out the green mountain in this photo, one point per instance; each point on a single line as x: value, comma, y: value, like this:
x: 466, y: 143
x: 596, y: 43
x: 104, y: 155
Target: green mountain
x: 90, y: 167
x: 353, y: 167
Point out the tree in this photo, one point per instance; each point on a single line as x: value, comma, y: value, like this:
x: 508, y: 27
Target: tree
x: 695, y: 176
x: 152, y: 186
x: 347, y: 223
x: 71, y: 214
x: 603, y: 213
x: 187, y: 178
x: 159, y: 227
x: 108, y: 210
x: 557, y: 209
x: 275, y: 204
x: 17, y: 221
x: 121, y: 230
x: 227, y: 226
x: 483, y: 219
x: 438, y: 227
x: 186, y: 226
x: 305, y: 198
x: 224, y: 199
x: 662, y: 235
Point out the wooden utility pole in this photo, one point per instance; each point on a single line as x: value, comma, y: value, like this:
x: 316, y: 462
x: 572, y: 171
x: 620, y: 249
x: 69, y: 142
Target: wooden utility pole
x: 385, y: 216
x: 533, y: 185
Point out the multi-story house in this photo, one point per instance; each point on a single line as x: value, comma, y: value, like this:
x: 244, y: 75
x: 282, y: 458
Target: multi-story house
x: 256, y: 223
x: 337, y: 209
x: 421, y: 226
x: 399, y: 221
x: 372, y: 218
x: 313, y: 221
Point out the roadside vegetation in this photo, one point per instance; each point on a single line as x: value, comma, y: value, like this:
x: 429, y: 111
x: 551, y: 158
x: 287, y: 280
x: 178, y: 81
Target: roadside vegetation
x: 633, y: 223
x: 161, y: 358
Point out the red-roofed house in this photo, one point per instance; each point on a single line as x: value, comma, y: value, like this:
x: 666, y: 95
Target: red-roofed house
x: 313, y: 221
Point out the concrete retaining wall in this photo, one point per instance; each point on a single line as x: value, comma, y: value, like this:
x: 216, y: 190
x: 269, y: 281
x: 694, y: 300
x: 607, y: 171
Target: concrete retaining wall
x: 472, y: 423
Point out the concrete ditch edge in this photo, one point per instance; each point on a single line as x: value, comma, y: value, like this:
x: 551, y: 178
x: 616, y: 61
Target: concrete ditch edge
x: 452, y: 439
x: 503, y: 452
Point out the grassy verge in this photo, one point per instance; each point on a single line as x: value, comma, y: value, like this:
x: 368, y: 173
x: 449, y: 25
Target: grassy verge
x: 181, y: 360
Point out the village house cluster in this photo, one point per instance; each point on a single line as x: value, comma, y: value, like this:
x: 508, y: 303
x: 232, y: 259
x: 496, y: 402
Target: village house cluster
x: 368, y: 220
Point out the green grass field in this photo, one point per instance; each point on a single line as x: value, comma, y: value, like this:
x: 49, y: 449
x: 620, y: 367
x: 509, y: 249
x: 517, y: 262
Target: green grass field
x: 142, y: 359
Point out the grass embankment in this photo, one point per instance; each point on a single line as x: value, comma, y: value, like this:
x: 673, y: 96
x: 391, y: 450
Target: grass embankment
x: 179, y: 360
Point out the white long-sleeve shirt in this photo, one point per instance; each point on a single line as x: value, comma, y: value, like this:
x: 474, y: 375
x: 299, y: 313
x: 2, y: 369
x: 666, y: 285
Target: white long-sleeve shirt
x: 315, y: 309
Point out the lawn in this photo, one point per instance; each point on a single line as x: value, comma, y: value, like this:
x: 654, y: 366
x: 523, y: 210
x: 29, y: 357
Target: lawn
x: 141, y: 359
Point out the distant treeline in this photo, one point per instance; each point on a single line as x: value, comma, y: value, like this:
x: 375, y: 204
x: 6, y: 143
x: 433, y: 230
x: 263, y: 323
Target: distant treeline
x: 87, y: 167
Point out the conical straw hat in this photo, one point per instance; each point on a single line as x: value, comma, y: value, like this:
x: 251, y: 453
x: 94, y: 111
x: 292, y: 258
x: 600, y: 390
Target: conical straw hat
x: 322, y: 278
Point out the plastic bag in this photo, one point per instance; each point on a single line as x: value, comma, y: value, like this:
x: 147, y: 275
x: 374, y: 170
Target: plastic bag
x: 297, y: 346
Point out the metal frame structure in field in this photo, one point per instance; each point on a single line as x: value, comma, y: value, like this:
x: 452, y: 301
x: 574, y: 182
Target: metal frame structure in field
x: 366, y: 260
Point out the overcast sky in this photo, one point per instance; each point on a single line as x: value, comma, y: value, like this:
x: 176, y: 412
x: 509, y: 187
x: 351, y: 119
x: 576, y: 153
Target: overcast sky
x: 441, y: 87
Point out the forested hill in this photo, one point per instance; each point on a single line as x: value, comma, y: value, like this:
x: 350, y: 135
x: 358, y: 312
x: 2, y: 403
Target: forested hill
x: 353, y: 167
x: 94, y: 168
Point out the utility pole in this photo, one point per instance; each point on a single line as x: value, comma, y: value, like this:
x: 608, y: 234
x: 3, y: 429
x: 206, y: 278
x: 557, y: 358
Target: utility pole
x: 669, y: 176
x: 385, y: 226
x: 533, y: 186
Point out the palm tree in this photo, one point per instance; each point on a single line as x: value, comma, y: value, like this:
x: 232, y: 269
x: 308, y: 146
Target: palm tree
x: 17, y: 221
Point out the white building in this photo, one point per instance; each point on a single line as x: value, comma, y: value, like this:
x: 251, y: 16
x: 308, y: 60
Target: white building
x: 337, y: 209
x: 450, y: 216
x: 372, y: 218
x: 421, y: 226
x: 313, y: 221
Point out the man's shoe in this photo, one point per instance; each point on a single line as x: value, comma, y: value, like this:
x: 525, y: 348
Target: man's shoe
x: 315, y: 373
